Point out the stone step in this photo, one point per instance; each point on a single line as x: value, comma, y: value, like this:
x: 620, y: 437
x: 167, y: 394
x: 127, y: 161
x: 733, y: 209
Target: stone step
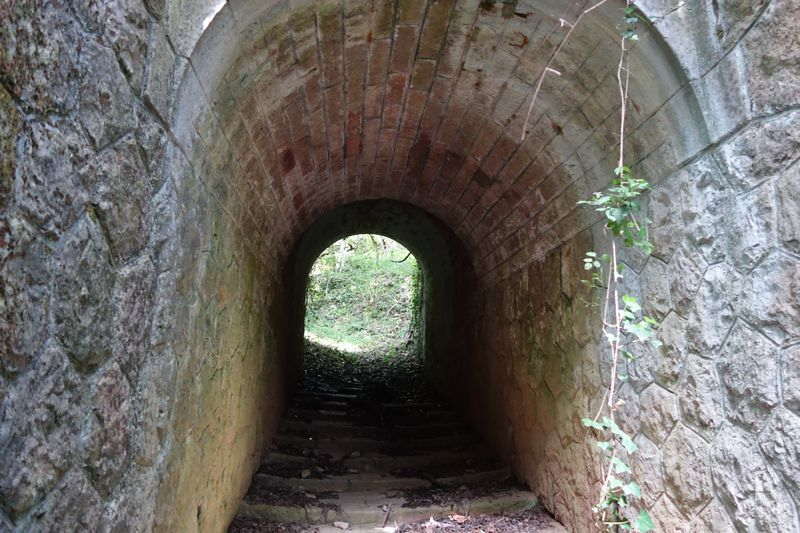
x: 328, y: 400
x: 339, y: 428
x: 368, y: 509
x: 378, y: 462
x: 381, y: 481
x: 351, y: 482
x: 356, y: 416
x: 341, y: 447
x: 326, y: 396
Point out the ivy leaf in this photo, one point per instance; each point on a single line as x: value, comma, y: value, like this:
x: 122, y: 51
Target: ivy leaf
x: 628, y: 443
x: 619, y: 466
x: 643, y: 522
x: 604, y: 445
x: 632, y: 489
x: 615, y: 482
x: 589, y: 423
x: 631, y: 303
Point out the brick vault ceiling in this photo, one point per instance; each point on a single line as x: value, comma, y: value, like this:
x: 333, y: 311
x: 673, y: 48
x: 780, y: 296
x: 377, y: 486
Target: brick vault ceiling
x: 425, y: 101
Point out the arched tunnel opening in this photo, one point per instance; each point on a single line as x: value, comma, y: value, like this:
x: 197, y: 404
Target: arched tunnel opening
x: 447, y: 276
x: 364, y: 294
x: 169, y: 171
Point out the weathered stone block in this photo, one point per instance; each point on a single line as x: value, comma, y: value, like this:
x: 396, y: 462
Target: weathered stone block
x: 656, y: 300
x: 749, y: 372
x: 705, y: 197
x: 659, y: 413
x: 687, y: 472
x: 39, y: 429
x: 780, y: 442
x: 664, y: 205
x: 667, y: 517
x: 700, y: 397
x: 769, y: 297
x: 762, y: 150
x: 118, y: 186
x: 714, y: 519
x: 686, y: 272
x: 73, y: 502
x: 712, y: 313
x: 105, y: 96
x: 647, y: 469
x: 123, y: 26
x: 790, y: 372
x: 83, y: 280
x: 45, y: 187
x: 773, y: 58
x: 750, y: 226
x: 753, y: 495
x: 106, y: 433
x: 24, y: 294
x: 672, y: 353
x: 788, y: 189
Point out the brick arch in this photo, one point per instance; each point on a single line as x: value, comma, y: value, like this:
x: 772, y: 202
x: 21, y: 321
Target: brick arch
x: 287, y: 114
x: 328, y: 103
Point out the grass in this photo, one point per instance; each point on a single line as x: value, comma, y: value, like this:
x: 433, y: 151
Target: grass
x: 361, y: 295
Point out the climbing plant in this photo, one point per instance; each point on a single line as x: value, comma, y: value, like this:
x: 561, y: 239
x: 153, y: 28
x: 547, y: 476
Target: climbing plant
x: 623, y: 325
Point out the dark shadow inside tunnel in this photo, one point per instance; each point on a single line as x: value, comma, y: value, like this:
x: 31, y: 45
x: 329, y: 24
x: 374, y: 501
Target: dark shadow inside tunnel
x: 446, y: 273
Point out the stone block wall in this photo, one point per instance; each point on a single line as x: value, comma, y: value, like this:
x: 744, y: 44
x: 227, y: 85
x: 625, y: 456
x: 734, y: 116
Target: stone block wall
x: 161, y: 159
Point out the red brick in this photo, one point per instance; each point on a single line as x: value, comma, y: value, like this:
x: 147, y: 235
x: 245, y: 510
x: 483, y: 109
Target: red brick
x: 461, y: 180
x: 418, y: 157
x: 373, y: 101
x: 280, y: 128
x: 488, y: 135
x: 313, y: 92
x: 371, y: 132
x: 405, y: 42
x: 386, y: 145
x: 303, y: 155
x: 317, y: 129
x: 433, y: 165
x: 379, y: 61
x: 435, y: 28
x: 415, y: 105
x: 396, y: 85
x: 437, y: 104
x: 499, y: 155
x: 449, y: 132
x: 424, y: 70
x: 410, y: 11
x: 383, y: 19
x: 353, y: 143
x: 391, y: 116
x: 401, y: 149
x: 356, y: 68
x: 296, y: 115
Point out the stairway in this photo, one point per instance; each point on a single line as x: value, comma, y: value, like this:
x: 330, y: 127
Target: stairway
x: 344, y: 460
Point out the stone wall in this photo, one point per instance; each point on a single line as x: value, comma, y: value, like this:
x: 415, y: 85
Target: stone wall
x: 160, y: 160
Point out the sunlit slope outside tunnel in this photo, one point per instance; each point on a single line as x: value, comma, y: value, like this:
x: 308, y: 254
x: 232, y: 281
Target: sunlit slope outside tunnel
x: 362, y: 295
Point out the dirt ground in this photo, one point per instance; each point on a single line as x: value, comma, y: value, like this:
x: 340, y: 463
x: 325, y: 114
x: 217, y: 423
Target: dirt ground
x: 521, y: 522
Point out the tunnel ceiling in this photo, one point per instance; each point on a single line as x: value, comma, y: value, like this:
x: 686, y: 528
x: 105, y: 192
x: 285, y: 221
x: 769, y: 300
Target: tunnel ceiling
x: 424, y: 101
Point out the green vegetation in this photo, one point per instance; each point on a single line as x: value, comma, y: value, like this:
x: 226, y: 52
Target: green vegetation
x: 363, y: 296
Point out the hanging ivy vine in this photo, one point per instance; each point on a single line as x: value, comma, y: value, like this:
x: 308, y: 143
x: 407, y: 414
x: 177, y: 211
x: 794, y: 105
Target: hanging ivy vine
x: 623, y: 324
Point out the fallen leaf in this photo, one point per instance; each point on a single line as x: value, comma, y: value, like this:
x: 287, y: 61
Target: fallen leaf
x: 458, y: 518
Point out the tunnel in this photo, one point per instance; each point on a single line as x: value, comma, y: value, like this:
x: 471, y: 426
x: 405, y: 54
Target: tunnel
x: 170, y: 169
